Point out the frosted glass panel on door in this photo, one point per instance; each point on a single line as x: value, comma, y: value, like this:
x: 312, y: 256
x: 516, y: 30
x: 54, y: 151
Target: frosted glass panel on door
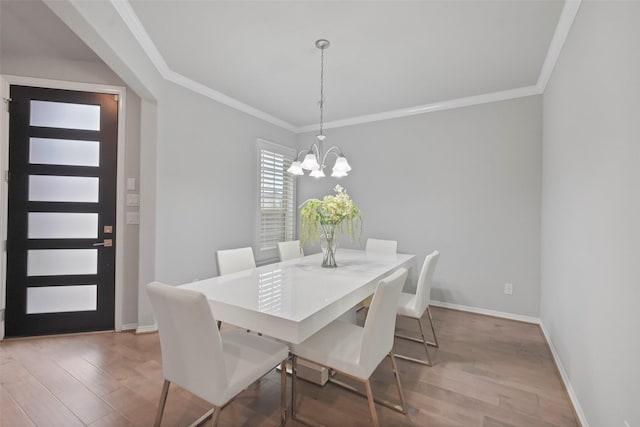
x: 51, y: 188
x: 49, y: 151
x: 59, y: 299
x: 65, y: 115
x: 63, y: 225
x: 61, y: 262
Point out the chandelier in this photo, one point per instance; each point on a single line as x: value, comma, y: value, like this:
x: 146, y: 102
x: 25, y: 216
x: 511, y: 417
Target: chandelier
x: 315, y: 157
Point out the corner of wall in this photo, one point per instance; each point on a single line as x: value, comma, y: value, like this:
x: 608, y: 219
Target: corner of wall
x: 565, y: 378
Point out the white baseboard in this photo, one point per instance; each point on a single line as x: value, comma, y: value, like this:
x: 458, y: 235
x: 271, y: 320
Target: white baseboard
x: 146, y: 329
x: 565, y: 379
x: 129, y: 326
x: 487, y: 312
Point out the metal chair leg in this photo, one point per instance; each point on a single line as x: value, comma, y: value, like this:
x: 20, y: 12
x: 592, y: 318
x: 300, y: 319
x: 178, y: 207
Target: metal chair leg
x: 283, y: 392
x: 294, y: 377
x: 369, y: 394
x: 200, y: 421
x: 372, y: 405
x: 435, y: 338
x: 397, y: 375
x: 424, y: 341
x: 161, y: 404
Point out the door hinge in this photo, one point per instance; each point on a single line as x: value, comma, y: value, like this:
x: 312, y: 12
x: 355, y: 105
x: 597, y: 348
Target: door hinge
x: 7, y: 102
x: 116, y: 97
x: 2, y: 315
x: 5, y: 176
x: 4, y: 246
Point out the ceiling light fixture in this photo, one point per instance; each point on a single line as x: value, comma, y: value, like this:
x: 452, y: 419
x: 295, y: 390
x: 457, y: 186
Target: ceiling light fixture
x: 315, y: 157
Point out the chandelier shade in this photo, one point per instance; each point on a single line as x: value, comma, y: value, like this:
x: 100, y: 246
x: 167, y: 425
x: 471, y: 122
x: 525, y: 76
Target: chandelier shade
x: 310, y: 162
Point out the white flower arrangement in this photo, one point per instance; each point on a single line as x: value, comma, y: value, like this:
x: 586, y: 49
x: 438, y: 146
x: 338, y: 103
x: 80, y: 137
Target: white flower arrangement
x: 339, y: 211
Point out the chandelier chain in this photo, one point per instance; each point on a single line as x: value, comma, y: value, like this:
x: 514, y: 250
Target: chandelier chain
x: 321, y: 89
x: 316, y: 156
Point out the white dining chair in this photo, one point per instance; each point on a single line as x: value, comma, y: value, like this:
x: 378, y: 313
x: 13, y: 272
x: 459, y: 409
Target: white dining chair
x: 197, y: 357
x: 415, y: 306
x: 234, y: 260
x: 290, y: 250
x: 356, y: 351
x: 378, y: 246
x: 381, y: 246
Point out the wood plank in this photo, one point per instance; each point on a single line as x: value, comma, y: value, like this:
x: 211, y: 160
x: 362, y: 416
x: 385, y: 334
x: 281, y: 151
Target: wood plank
x: 91, y: 376
x: 488, y: 372
x: 114, y: 419
x: 40, y: 405
x: 72, y: 393
x: 137, y: 410
x: 10, y: 412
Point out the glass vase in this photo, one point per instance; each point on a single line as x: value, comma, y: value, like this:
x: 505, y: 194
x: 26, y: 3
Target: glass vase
x: 329, y: 245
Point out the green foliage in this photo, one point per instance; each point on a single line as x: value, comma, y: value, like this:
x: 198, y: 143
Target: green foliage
x: 338, y: 210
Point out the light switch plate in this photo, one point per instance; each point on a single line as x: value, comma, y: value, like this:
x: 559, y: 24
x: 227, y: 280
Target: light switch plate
x: 133, y: 200
x: 133, y: 218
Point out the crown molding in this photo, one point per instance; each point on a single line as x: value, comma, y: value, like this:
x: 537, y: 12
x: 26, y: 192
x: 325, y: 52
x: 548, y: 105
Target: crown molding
x: 429, y: 108
x: 569, y: 12
x: 565, y: 21
x: 204, y: 90
x: 131, y: 20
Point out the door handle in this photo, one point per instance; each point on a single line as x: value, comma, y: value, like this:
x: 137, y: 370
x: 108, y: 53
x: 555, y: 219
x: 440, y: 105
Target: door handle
x: 107, y: 243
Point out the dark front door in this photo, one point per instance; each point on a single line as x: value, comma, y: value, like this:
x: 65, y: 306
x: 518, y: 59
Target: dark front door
x: 62, y: 210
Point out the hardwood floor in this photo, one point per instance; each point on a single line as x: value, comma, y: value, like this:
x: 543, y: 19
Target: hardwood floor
x: 488, y: 372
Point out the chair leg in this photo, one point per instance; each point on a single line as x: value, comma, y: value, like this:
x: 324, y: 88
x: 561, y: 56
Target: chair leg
x: 294, y: 377
x: 283, y: 392
x: 397, y: 375
x: 163, y: 401
x: 372, y: 405
x: 354, y: 390
x: 200, y: 421
x: 435, y: 338
x: 423, y: 341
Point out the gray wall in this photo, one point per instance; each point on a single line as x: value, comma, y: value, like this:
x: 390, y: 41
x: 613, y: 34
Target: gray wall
x: 207, y: 182
x: 591, y: 211
x: 98, y: 73
x: 463, y: 181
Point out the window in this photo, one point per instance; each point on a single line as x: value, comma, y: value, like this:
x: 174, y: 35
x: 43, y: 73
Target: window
x: 277, y: 198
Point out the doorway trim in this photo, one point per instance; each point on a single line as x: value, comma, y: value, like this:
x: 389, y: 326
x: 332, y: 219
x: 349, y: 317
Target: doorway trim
x: 7, y: 81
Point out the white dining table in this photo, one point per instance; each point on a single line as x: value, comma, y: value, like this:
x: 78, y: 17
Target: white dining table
x: 294, y: 299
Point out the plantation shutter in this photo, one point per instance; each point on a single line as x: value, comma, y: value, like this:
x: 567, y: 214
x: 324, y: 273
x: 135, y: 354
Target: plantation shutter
x: 277, y: 198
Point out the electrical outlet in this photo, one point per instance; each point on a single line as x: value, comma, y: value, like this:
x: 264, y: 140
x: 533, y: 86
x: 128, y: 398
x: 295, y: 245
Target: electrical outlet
x: 508, y: 288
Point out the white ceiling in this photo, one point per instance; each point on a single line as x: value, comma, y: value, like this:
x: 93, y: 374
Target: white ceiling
x: 384, y: 55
